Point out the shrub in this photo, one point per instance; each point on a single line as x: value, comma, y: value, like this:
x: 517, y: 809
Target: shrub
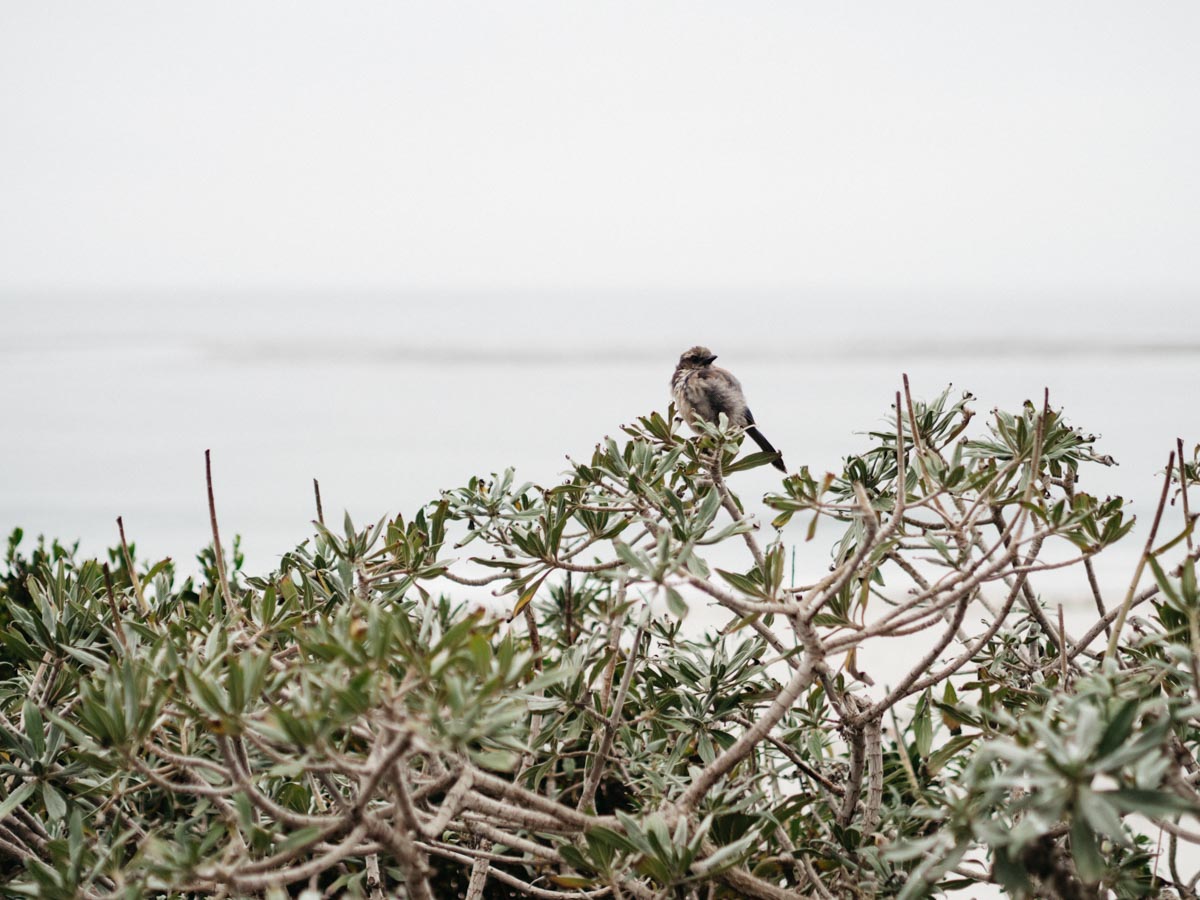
x: 358, y: 722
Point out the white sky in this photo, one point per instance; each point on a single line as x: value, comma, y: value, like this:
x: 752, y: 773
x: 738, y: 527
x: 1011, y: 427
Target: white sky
x: 1010, y: 145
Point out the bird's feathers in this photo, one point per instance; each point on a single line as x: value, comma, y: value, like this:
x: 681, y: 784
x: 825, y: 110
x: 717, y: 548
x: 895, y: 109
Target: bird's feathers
x: 704, y: 391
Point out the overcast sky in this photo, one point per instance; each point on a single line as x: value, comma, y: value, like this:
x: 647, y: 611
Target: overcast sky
x: 688, y: 145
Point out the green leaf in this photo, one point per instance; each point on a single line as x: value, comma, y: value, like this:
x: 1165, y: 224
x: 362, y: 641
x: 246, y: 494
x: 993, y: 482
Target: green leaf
x: 18, y: 646
x: 75, y: 834
x: 1119, y: 727
x: 948, y: 751
x: 629, y: 556
x: 676, y: 604
x: 726, y: 856
x: 634, y: 833
x: 16, y: 798
x: 1158, y: 804
x: 34, y: 729
x: 573, y: 858
x: 496, y: 760
x: 613, y: 839
x: 56, y: 806
x: 708, y: 509
x: 527, y: 596
x: 1100, y: 815
x: 922, y: 726
x: 204, y: 693
x: 1164, y: 582
x: 743, y: 583
x: 656, y: 830
x: 1010, y: 873
x: 751, y: 461
x: 1085, y: 851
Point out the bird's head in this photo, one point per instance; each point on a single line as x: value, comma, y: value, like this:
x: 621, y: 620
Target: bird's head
x: 696, y: 357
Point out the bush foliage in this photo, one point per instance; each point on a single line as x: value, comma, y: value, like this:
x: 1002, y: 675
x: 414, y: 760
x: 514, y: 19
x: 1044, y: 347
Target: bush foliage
x: 359, y: 722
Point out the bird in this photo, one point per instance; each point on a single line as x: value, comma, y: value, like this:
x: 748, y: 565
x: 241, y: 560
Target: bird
x: 704, y: 391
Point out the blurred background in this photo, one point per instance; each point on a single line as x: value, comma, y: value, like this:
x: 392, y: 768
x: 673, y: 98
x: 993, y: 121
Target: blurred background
x: 392, y: 245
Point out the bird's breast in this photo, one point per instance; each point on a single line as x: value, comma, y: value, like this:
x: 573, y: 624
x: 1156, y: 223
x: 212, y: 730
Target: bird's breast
x: 679, y: 391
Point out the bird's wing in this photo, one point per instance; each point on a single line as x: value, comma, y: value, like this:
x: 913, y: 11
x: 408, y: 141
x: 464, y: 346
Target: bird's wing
x: 724, y: 395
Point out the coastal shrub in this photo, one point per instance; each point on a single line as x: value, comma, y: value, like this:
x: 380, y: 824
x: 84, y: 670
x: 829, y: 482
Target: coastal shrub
x: 508, y: 693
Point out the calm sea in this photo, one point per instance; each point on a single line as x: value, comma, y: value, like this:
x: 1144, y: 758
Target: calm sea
x: 110, y: 401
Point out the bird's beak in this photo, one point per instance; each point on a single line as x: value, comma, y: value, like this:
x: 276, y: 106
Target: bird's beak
x: 708, y: 360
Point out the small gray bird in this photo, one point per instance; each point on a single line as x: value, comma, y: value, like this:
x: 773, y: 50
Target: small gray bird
x: 702, y: 390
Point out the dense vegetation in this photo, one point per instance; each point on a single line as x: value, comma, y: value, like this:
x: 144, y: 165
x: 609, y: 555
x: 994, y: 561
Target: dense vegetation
x: 358, y: 722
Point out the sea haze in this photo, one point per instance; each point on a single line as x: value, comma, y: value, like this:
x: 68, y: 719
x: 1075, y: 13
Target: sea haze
x: 110, y: 401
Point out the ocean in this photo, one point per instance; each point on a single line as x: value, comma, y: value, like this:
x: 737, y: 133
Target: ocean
x: 111, y: 400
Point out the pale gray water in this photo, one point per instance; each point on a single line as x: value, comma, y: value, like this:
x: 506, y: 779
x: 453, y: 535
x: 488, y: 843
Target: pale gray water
x: 109, y: 402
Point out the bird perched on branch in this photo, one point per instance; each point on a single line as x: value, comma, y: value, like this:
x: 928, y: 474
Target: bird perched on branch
x: 704, y: 391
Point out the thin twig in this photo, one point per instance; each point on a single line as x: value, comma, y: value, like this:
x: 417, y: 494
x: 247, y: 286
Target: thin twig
x: 1183, y: 490
x: 374, y: 877
x: 1137, y: 573
x: 1062, y: 644
x: 873, y: 732
x: 212, y: 515
x: 479, y: 873
x: 1068, y: 486
x: 133, y: 575
x: 592, y: 781
x: 856, y: 741
x: 727, y: 501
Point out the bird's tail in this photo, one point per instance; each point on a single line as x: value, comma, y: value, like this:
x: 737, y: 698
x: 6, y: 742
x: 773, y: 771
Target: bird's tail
x: 757, y: 437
